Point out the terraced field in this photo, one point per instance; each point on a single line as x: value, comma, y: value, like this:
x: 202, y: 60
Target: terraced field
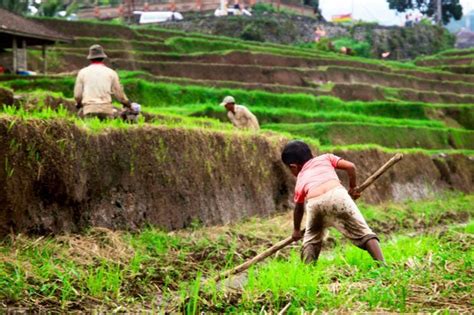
x: 184, y: 166
x: 455, y: 61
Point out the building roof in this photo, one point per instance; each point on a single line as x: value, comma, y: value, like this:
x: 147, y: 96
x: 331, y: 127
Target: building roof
x: 33, y: 33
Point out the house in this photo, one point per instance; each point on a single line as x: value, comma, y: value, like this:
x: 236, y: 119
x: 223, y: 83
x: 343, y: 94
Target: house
x: 18, y: 33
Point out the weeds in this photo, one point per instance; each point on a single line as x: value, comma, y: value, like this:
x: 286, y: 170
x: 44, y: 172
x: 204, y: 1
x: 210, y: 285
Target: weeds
x: 101, y: 268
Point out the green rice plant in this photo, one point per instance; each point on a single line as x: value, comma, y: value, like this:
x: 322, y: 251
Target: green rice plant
x: 338, y: 133
x: 421, y: 249
x: 153, y: 94
x: 158, y: 34
x: 192, y: 305
x: 370, y: 146
x: 408, y: 213
x: 104, y: 280
x: 349, y: 279
x: 154, y: 242
x: 13, y: 282
x: 287, y: 115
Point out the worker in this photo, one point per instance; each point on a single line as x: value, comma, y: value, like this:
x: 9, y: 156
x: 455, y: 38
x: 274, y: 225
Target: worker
x: 318, y: 190
x: 95, y: 85
x: 239, y: 115
x: 319, y: 33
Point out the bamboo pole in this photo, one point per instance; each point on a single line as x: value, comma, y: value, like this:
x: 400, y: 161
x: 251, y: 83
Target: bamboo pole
x: 15, y: 55
x: 369, y: 181
x: 45, y: 62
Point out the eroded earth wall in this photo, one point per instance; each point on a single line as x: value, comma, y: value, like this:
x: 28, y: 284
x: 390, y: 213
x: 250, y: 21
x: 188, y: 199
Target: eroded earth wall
x: 57, y: 177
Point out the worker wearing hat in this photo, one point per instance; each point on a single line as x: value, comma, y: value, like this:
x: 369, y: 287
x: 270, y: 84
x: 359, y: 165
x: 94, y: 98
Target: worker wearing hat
x: 239, y: 115
x: 95, y: 86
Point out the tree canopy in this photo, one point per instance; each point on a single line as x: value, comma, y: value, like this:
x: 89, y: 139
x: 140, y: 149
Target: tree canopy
x: 17, y: 6
x: 451, y: 8
x: 45, y: 7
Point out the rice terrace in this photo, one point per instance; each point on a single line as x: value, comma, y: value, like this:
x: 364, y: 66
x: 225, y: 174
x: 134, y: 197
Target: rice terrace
x: 255, y: 157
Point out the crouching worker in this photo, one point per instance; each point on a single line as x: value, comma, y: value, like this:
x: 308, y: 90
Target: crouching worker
x: 239, y: 115
x: 95, y: 86
x: 328, y: 203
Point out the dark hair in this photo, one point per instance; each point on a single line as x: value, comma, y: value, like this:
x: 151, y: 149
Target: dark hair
x: 97, y: 59
x: 296, y: 152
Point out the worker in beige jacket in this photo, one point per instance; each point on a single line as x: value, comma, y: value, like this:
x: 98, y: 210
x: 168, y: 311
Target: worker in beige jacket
x: 95, y: 86
x: 239, y: 115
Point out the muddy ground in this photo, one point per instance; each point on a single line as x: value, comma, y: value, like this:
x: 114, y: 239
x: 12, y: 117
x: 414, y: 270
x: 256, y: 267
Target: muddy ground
x: 58, y: 177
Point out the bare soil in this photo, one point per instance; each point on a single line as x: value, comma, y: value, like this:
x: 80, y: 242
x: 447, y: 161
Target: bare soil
x: 58, y: 177
x: 61, y: 178
x: 6, y: 97
x: 352, y: 85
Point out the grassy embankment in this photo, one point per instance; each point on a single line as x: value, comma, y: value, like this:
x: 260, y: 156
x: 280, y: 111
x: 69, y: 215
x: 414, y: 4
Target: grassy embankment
x: 459, y: 61
x: 176, y: 44
x: 181, y: 46
x: 337, y: 121
x: 430, y: 263
x: 429, y: 266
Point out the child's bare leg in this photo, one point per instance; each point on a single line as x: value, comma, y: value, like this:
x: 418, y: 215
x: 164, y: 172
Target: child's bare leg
x: 310, y: 252
x: 372, y: 246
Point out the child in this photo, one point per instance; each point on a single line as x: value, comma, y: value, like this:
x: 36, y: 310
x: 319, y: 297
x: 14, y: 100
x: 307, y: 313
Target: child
x: 327, y: 202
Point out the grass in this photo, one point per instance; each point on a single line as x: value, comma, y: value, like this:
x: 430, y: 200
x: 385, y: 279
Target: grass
x: 340, y: 133
x: 154, y: 94
x: 287, y: 115
x: 446, y: 58
x: 114, y: 43
x: 163, y: 119
x: 178, y: 40
x: 95, y: 125
x: 430, y: 261
x: 416, y: 278
x: 404, y: 125
x: 158, y: 271
x: 454, y: 52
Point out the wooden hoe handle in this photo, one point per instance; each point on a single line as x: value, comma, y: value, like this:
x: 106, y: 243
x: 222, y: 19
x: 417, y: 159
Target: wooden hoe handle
x: 397, y: 157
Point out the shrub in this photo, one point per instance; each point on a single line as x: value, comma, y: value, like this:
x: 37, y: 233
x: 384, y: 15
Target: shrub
x: 252, y: 32
x: 360, y: 48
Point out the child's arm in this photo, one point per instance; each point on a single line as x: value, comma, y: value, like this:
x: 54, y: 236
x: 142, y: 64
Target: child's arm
x: 351, y: 170
x: 297, y: 217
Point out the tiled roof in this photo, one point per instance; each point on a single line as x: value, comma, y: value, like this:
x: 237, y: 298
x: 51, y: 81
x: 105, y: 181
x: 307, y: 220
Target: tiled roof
x: 14, y: 24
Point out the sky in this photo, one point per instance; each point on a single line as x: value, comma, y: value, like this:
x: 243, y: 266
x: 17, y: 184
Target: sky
x: 371, y: 10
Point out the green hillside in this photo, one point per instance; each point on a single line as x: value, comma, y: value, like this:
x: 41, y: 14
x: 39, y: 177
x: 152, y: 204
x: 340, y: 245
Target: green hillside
x: 109, y: 216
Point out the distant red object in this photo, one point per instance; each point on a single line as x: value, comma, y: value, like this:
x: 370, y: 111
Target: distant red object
x: 2, y: 70
x: 121, y: 10
x: 97, y: 12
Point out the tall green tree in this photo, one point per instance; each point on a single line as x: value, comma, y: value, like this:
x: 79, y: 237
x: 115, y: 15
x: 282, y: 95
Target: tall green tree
x: 451, y: 8
x: 17, y: 6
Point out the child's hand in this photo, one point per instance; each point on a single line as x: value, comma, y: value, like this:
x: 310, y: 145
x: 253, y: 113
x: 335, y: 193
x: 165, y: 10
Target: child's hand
x: 354, y: 193
x: 297, y: 235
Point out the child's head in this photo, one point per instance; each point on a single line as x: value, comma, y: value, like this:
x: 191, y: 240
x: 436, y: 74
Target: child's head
x: 295, y: 154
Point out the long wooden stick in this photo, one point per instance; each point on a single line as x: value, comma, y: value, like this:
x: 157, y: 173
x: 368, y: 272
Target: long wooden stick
x: 397, y: 157
x: 290, y: 240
